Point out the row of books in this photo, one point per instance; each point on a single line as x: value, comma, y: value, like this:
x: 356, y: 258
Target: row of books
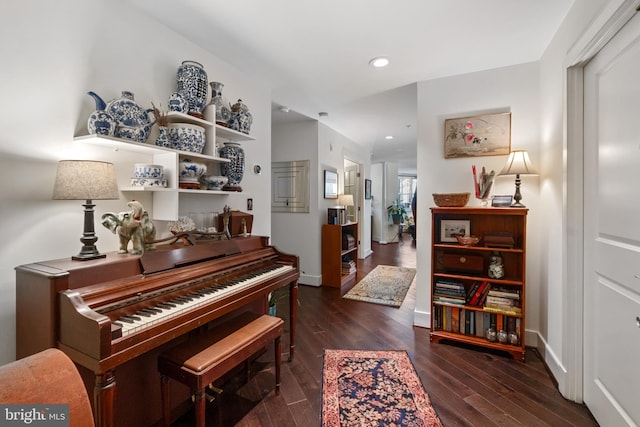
x: 480, y: 294
x: 449, y: 292
x: 472, y: 322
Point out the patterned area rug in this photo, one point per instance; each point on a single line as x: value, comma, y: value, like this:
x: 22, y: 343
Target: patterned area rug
x: 373, y: 388
x: 383, y: 285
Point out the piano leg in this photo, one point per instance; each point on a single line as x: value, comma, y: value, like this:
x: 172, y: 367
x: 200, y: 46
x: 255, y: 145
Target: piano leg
x: 200, y: 404
x: 293, y: 310
x: 104, y: 399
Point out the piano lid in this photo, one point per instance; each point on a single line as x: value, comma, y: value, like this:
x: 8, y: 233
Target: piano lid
x: 155, y: 261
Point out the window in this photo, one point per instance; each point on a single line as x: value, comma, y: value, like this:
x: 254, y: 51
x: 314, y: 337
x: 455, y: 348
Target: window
x: 406, y: 189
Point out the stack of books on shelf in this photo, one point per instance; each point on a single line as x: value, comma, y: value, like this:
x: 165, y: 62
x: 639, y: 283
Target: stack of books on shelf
x: 348, y: 267
x: 478, y: 293
x: 503, y: 300
x: 449, y: 293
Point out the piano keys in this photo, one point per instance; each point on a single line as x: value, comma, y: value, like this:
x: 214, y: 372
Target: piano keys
x: 104, y: 313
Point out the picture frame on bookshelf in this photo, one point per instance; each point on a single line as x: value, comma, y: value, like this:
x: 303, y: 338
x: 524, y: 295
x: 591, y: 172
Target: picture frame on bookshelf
x: 450, y: 228
x: 501, y: 201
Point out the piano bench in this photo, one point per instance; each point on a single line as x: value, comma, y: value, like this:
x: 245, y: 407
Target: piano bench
x: 209, y: 355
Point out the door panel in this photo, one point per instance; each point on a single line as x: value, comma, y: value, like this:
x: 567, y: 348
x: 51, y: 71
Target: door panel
x: 612, y: 230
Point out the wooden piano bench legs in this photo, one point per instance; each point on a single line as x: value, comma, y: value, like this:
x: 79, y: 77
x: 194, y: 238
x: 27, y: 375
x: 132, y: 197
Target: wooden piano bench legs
x: 211, y: 354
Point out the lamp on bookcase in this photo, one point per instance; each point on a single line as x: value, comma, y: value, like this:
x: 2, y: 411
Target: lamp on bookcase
x: 518, y: 163
x: 346, y: 200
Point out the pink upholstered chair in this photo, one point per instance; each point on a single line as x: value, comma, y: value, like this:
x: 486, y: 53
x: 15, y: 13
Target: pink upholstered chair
x: 48, y: 377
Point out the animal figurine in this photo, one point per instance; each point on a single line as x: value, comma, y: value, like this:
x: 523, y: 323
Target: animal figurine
x: 133, y: 225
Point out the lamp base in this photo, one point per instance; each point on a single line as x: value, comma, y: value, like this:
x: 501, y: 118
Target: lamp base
x: 517, y: 196
x: 89, y: 238
x: 87, y: 257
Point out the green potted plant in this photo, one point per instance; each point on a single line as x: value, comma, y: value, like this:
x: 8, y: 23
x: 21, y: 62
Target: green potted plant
x: 397, y: 212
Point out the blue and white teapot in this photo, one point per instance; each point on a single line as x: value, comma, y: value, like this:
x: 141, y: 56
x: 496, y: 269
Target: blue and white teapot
x: 132, y: 121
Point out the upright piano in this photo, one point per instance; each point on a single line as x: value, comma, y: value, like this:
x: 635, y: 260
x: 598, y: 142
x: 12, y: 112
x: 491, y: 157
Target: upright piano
x: 109, y: 313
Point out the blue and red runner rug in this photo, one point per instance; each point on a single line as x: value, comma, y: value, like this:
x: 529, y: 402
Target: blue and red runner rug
x: 373, y: 388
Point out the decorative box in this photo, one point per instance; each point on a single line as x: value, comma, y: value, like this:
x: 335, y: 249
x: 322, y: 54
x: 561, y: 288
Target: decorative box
x: 236, y: 219
x: 348, y: 241
x: 461, y: 262
x: 499, y: 239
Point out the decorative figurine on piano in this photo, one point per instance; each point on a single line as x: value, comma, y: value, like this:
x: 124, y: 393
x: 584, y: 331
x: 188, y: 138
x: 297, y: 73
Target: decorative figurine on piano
x: 134, y: 225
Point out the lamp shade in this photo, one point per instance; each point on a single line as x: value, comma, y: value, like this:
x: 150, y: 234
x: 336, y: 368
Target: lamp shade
x: 85, y: 180
x: 518, y: 163
x: 345, y: 199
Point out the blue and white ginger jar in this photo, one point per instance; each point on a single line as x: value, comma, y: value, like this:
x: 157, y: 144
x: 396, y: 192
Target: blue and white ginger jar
x: 234, y: 169
x: 193, y: 84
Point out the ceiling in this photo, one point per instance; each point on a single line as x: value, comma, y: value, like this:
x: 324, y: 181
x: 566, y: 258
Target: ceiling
x: 315, y: 55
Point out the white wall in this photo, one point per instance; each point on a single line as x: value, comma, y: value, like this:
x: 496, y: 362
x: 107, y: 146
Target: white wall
x: 511, y: 89
x: 298, y: 233
x: 556, y: 294
x: 53, y: 53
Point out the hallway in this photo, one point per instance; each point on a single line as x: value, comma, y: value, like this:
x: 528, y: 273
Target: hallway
x: 467, y: 386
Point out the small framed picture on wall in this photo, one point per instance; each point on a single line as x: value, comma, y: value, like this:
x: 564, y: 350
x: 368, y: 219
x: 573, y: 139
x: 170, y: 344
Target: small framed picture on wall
x: 367, y: 189
x: 330, y: 184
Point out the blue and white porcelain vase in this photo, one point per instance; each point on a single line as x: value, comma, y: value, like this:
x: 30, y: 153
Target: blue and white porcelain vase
x: 163, y: 137
x: 100, y: 122
x: 241, y: 118
x: 234, y: 169
x: 192, y: 83
x: 223, y: 113
x: 177, y: 103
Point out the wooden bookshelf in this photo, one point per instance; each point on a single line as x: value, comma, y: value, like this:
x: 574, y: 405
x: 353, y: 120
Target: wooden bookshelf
x: 339, y: 257
x: 459, y: 272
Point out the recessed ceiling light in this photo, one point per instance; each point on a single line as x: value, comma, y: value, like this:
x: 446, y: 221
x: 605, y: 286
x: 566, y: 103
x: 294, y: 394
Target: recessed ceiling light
x: 379, y: 62
x: 388, y: 137
x: 323, y: 114
x: 284, y: 109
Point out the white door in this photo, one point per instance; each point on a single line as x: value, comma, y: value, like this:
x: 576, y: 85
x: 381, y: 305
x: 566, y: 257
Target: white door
x: 351, y: 181
x: 612, y: 230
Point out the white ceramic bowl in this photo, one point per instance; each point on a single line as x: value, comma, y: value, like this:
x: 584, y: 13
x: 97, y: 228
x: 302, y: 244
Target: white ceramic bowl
x: 186, y: 137
x: 148, y: 170
x: 213, y: 182
x: 191, y: 171
x: 148, y: 182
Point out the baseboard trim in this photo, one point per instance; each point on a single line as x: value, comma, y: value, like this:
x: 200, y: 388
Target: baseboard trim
x: 421, y: 319
x: 306, y: 279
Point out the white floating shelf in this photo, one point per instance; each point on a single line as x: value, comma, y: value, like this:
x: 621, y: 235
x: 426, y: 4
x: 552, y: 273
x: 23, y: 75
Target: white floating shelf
x: 139, y: 147
x: 175, y: 117
x: 224, y: 133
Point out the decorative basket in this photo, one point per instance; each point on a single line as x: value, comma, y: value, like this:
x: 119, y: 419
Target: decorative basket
x: 451, y: 200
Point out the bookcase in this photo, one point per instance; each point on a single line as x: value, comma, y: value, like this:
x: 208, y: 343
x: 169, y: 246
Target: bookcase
x: 339, y: 254
x: 478, y: 293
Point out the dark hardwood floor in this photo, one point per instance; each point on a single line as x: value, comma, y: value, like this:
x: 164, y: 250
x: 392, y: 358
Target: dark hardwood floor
x: 467, y: 386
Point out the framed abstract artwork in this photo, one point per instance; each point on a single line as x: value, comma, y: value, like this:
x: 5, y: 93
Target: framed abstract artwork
x: 367, y: 189
x: 474, y: 136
